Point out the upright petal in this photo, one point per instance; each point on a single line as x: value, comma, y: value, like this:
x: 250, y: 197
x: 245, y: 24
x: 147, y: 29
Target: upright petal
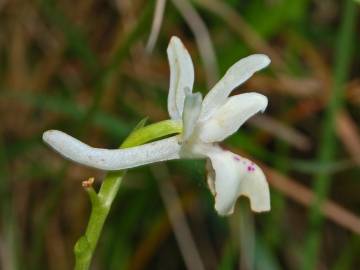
x: 232, y: 176
x: 235, y: 76
x: 191, y: 113
x: 112, y: 160
x: 228, y: 118
x: 181, y: 76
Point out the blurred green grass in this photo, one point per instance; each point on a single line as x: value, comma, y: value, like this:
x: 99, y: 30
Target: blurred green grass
x: 82, y: 67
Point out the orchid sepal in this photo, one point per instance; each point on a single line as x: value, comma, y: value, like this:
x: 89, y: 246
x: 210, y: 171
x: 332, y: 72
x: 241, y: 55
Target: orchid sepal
x: 141, y: 153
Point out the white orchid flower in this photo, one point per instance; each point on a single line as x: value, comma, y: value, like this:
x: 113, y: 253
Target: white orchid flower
x: 205, y: 123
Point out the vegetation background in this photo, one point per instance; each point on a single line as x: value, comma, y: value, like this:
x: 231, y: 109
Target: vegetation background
x: 96, y: 68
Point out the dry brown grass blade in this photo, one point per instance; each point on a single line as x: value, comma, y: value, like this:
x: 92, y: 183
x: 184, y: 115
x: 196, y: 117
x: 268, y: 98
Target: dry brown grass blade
x: 353, y: 92
x: 303, y: 109
x: 348, y: 133
x: 177, y: 218
x: 313, y: 57
x: 46, y: 69
x: 57, y: 252
x: 281, y: 131
x: 125, y: 25
x: 17, y: 54
x: 146, y: 249
x: 202, y: 38
x: 243, y: 29
x: 305, y: 196
x: 285, y: 85
x: 346, y: 129
x: 156, y: 24
x: 157, y: 234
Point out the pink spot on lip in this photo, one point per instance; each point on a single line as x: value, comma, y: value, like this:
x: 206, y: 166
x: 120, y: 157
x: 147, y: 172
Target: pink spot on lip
x: 236, y: 158
x: 250, y: 168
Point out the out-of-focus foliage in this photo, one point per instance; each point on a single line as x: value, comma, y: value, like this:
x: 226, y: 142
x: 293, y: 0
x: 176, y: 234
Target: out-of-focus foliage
x: 82, y: 67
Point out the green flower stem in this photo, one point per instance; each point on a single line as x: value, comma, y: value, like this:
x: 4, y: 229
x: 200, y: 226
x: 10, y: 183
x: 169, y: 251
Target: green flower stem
x: 101, y: 202
x: 152, y: 132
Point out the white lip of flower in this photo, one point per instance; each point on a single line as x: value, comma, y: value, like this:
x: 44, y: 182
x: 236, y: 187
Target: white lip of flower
x: 204, y: 124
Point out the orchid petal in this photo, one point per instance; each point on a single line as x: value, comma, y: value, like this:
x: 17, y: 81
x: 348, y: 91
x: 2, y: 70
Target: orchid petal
x: 255, y: 187
x: 232, y: 176
x: 228, y: 118
x: 111, y: 160
x: 235, y: 76
x: 181, y: 76
x: 192, y: 109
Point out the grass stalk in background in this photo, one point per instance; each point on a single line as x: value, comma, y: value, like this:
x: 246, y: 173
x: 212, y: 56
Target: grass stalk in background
x: 322, y: 180
x: 9, y: 254
x: 274, y: 230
